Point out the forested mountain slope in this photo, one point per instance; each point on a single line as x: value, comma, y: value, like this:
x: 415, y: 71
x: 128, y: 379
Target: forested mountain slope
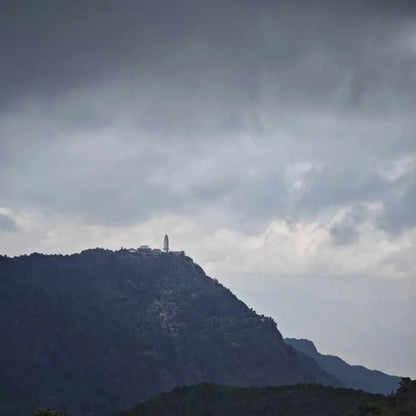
x: 100, y: 330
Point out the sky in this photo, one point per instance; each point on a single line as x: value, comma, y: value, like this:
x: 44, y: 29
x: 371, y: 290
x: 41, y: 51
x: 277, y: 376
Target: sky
x: 274, y: 141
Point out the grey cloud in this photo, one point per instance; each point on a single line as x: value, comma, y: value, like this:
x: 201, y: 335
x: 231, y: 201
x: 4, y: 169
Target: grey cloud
x: 400, y: 212
x: 7, y: 223
x: 117, y: 111
x: 345, y: 232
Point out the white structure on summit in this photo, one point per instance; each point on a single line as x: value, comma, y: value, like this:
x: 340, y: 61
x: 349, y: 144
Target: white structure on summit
x: 145, y: 250
x: 166, y: 244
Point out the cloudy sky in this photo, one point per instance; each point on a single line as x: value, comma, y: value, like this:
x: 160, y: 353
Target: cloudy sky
x: 274, y: 141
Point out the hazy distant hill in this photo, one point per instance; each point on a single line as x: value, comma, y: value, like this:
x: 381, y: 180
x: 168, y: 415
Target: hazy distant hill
x: 100, y: 330
x: 353, y: 376
x: 214, y: 400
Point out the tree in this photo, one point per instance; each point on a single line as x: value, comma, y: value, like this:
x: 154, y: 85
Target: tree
x: 48, y: 412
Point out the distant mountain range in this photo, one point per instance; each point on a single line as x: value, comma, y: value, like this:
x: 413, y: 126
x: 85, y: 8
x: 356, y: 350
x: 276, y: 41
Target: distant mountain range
x: 352, y: 376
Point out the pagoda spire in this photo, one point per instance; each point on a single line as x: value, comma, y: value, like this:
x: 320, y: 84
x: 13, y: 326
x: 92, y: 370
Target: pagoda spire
x: 166, y: 243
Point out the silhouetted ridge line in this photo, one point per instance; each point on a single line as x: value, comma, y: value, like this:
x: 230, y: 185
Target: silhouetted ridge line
x: 353, y: 376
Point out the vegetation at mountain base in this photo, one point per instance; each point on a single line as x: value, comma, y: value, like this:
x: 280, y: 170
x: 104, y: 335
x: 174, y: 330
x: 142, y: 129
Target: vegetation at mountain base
x: 402, y: 403
x: 351, y: 376
x: 213, y: 400
x: 100, y: 330
x: 48, y: 412
x: 208, y: 399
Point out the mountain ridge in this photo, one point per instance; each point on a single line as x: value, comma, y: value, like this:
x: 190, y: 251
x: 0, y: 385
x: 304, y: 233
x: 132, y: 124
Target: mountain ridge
x: 101, y: 329
x: 351, y: 376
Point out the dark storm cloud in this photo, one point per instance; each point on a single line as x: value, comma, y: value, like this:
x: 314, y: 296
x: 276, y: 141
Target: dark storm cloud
x: 115, y: 111
x: 51, y: 46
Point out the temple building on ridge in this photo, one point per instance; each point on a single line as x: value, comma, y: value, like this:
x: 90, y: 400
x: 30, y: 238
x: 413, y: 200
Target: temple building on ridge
x: 148, y: 251
x: 166, y: 247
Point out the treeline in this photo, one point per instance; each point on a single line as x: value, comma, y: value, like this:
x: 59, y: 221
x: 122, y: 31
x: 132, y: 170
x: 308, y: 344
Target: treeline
x: 402, y: 403
x: 300, y: 400
x: 215, y: 400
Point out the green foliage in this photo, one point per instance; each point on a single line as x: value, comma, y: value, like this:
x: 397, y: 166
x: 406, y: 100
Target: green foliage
x: 48, y: 412
x: 402, y: 403
x: 214, y: 400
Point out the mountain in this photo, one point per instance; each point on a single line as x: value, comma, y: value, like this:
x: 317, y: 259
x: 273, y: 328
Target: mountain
x: 99, y: 330
x: 352, y: 376
x: 214, y: 400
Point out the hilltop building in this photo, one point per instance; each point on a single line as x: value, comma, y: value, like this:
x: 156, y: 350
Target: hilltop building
x: 166, y: 247
x: 145, y: 250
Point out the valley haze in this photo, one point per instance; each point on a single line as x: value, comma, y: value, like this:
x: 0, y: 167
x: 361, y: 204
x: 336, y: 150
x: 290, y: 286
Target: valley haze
x: 274, y: 141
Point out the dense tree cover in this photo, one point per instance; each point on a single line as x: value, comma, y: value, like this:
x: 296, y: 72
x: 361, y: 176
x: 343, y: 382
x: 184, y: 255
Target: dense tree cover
x: 99, y: 330
x: 299, y: 400
x: 214, y: 400
x: 403, y: 403
x: 48, y: 412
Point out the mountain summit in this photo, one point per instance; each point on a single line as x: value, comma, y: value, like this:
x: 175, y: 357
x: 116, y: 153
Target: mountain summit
x: 99, y: 330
